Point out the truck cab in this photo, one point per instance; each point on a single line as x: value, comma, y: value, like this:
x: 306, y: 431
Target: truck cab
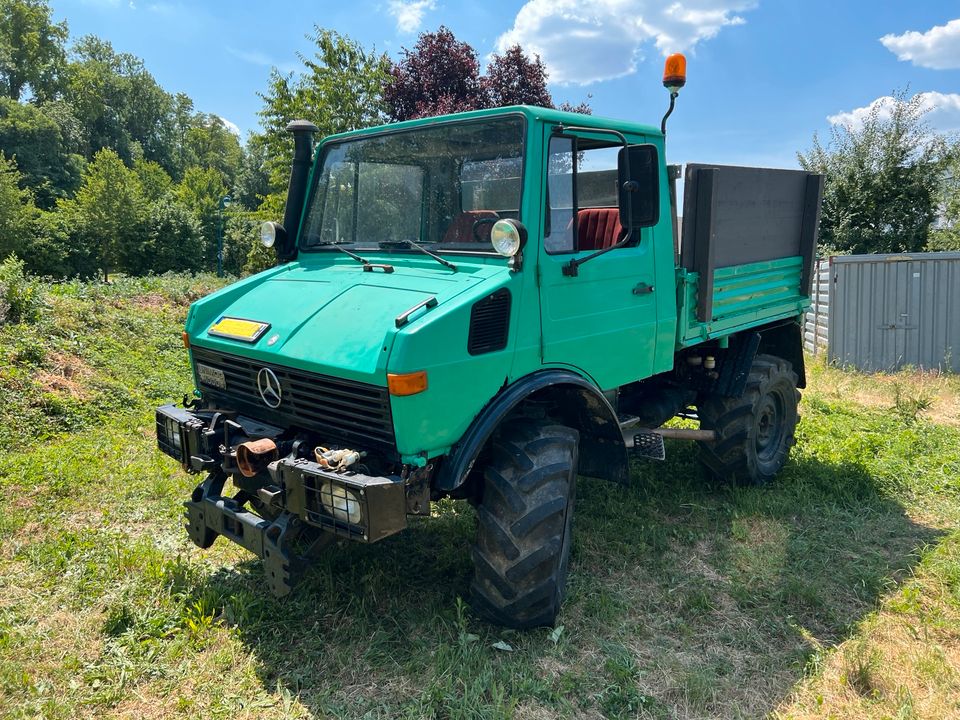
x: 483, y: 306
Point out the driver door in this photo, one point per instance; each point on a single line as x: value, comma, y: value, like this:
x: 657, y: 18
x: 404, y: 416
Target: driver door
x: 603, y: 319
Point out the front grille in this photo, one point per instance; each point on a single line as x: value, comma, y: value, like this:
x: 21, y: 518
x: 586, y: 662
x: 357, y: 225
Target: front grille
x: 340, y: 410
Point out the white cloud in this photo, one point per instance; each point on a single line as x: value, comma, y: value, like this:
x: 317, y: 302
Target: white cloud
x: 943, y: 111
x: 583, y: 41
x: 937, y: 48
x: 255, y: 57
x: 232, y: 127
x: 409, y: 13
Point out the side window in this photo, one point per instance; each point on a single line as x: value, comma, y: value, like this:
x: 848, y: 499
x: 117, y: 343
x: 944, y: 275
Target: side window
x: 559, y: 222
x: 597, y: 177
x: 582, y: 200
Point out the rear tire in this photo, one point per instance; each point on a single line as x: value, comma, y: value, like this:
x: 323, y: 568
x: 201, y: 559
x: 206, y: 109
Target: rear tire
x: 755, y: 431
x: 522, y: 551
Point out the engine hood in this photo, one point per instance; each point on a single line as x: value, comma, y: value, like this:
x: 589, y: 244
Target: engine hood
x: 334, y: 319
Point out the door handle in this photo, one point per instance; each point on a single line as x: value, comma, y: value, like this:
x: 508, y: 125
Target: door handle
x: 643, y: 289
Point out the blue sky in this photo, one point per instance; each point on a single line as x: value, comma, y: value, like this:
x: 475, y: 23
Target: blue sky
x: 763, y: 75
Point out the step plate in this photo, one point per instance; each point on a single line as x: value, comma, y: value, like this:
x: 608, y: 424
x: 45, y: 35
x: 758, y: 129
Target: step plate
x: 649, y: 445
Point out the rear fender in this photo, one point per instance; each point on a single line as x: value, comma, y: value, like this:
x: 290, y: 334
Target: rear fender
x: 574, y: 402
x: 784, y: 340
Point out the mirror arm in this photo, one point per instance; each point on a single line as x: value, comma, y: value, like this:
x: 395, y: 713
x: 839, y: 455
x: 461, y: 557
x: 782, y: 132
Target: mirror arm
x: 571, y: 269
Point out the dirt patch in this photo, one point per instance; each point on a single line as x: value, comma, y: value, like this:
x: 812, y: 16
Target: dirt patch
x: 150, y: 301
x: 939, y: 394
x: 144, y: 705
x: 64, y: 374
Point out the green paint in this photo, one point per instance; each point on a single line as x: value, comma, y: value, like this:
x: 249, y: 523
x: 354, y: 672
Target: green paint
x: 744, y: 296
x: 328, y: 316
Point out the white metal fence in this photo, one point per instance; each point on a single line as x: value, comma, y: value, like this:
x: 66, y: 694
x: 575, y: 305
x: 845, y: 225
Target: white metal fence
x: 818, y: 316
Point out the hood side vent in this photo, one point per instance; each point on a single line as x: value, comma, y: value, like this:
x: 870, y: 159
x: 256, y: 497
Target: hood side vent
x: 489, y: 323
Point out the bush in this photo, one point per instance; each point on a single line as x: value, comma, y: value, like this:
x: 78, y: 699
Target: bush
x: 20, y: 296
x: 944, y: 240
x: 60, y: 247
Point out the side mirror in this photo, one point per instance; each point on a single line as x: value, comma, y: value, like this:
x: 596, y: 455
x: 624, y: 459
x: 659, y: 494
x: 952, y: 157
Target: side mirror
x: 639, y: 186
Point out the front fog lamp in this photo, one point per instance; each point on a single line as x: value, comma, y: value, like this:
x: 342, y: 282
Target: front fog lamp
x: 343, y: 504
x: 271, y: 233
x: 507, y: 237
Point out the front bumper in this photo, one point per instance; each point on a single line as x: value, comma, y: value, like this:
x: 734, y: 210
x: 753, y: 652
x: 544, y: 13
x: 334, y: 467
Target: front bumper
x: 303, y: 505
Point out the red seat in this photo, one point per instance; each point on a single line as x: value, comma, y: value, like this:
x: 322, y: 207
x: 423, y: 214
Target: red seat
x: 598, y: 228
x: 461, y: 229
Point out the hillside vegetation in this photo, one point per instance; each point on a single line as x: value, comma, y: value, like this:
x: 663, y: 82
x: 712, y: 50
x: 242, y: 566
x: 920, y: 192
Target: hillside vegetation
x: 833, y: 593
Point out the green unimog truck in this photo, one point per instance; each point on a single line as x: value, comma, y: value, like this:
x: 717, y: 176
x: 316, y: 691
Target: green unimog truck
x: 483, y: 306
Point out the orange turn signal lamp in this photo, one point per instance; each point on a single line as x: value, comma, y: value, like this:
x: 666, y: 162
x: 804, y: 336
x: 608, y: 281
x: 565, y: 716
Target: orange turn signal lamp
x: 675, y: 72
x: 402, y: 384
x: 186, y: 340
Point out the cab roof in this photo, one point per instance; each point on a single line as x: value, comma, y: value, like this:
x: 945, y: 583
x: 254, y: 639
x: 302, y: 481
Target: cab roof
x: 532, y: 113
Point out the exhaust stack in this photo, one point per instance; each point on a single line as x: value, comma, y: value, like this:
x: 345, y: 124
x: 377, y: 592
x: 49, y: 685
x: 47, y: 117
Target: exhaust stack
x: 303, y: 132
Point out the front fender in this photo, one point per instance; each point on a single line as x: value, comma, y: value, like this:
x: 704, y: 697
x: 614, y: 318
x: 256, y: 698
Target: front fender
x: 579, y: 404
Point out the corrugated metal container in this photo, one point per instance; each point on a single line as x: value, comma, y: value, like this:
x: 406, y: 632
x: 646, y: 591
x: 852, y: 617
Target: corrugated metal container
x: 890, y: 311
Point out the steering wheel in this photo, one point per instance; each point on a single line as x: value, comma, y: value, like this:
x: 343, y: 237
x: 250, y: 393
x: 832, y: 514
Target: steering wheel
x: 478, y: 223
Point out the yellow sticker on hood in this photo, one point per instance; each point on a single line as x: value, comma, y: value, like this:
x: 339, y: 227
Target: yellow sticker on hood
x: 238, y: 329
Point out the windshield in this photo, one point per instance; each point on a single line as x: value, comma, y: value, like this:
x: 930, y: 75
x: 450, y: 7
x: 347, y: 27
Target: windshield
x: 442, y: 185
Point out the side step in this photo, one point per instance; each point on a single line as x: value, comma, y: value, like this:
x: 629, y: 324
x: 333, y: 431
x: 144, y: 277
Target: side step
x: 649, y: 443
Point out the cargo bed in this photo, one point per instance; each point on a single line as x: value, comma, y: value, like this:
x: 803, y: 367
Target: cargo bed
x: 747, y: 248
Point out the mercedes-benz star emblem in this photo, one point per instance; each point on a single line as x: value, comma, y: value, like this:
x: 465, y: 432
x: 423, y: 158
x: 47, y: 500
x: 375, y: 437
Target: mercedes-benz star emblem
x: 269, y: 387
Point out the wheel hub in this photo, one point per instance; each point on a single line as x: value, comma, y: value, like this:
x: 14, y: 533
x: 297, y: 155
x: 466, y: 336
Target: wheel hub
x: 770, y: 416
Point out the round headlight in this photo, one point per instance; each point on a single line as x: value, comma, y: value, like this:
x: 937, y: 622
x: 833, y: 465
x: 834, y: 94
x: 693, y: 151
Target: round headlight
x: 343, y: 504
x: 505, y: 237
x: 268, y: 234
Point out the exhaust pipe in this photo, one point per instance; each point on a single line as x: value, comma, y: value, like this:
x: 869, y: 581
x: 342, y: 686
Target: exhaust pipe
x: 303, y: 132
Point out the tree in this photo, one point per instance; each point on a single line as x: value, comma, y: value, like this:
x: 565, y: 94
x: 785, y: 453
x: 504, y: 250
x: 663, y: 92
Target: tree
x: 119, y: 104
x: 110, y: 209
x: 945, y: 236
x: 515, y: 79
x: 200, y: 192
x: 60, y: 247
x: 442, y: 75
x: 153, y: 179
x: 253, y: 181
x: 439, y: 75
x: 31, y: 49
x: 36, y: 143
x: 173, y: 240
x: 882, y: 179
x: 208, y: 143
x: 339, y: 90
x: 17, y: 212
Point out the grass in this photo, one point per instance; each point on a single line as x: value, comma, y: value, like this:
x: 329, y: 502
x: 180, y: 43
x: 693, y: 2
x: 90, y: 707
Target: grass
x: 833, y: 593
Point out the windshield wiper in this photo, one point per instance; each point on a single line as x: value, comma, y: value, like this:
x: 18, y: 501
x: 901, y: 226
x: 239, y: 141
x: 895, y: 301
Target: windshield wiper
x: 356, y: 257
x: 421, y: 248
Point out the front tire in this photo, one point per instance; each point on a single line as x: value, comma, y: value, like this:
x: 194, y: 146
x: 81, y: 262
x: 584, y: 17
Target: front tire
x: 755, y: 431
x: 522, y: 551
